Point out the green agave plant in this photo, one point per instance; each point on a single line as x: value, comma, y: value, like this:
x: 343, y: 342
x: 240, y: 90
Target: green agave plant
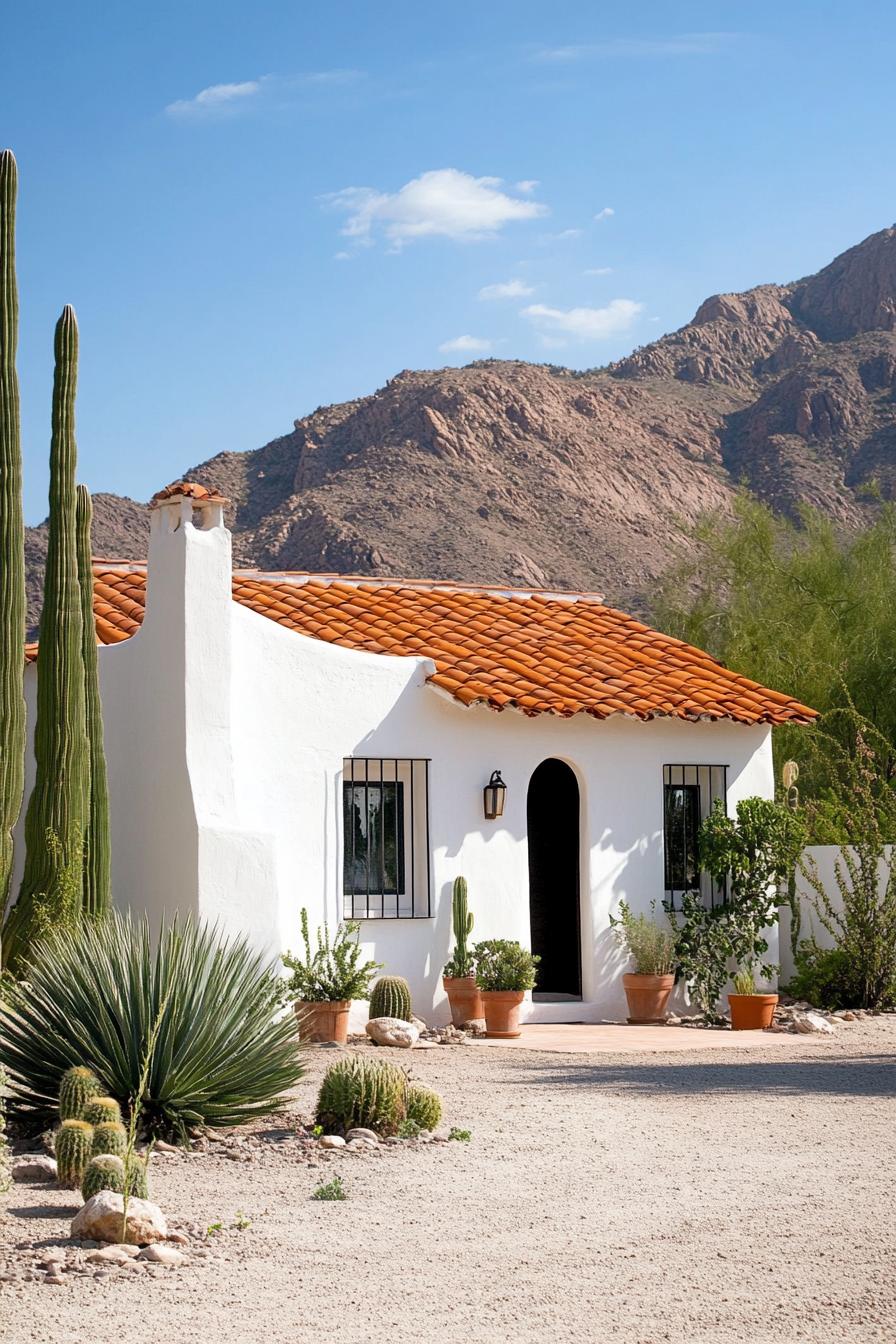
x: 220, y: 1056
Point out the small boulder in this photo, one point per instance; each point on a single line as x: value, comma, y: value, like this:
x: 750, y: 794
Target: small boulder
x: 810, y: 1023
x: 101, y: 1220
x: 331, y: 1141
x: 162, y: 1255
x: 34, y: 1167
x: 392, y: 1031
x: 362, y: 1134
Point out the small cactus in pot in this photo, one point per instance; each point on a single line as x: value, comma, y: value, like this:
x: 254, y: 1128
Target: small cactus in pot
x: 458, y: 979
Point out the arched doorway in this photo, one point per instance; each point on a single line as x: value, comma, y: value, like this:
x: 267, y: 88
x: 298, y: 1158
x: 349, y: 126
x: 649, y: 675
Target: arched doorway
x: 552, y: 812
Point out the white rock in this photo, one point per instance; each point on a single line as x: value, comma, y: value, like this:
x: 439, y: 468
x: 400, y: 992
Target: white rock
x: 419, y: 1023
x: 162, y: 1255
x: 101, y: 1219
x: 809, y: 1023
x: 34, y: 1167
x: 355, y: 1144
x: 109, y: 1255
x: 331, y: 1141
x: 392, y: 1031
x: 362, y: 1134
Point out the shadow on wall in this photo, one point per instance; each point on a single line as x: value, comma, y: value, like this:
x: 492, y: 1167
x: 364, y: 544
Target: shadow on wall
x: 854, y: 1076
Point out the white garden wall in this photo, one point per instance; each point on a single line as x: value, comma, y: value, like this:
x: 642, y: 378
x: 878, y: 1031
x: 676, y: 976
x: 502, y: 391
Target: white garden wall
x: 825, y: 858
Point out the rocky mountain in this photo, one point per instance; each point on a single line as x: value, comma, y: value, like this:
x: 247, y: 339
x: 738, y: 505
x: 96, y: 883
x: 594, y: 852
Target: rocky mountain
x: 539, y: 476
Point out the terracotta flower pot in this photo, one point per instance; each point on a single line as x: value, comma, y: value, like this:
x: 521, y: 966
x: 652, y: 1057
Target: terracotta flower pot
x: 502, y: 1012
x: 647, y: 996
x: 464, y: 998
x: 324, y: 1021
x: 752, y: 1012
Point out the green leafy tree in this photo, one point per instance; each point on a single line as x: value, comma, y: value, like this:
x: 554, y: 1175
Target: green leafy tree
x: 801, y: 606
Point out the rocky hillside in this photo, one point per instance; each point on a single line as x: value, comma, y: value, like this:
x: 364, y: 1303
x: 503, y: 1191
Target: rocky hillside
x: 534, y: 475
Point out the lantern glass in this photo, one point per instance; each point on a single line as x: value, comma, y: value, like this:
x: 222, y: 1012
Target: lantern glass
x: 493, y: 795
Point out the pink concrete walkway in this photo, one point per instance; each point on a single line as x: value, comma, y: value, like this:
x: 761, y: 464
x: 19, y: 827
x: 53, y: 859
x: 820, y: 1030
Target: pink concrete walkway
x: 618, y: 1038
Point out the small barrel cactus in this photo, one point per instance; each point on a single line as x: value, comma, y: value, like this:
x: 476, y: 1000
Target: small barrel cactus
x: 360, y: 1093
x: 102, y: 1110
x: 73, y: 1145
x: 110, y: 1136
x: 77, y: 1087
x: 107, y: 1172
x: 391, y: 997
x: 424, y: 1106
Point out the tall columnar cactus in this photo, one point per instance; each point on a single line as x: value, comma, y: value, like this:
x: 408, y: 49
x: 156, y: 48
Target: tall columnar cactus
x: 97, y: 859
x: 73, y: 1146
x: 77, y: 1088
x: 56, y: 820
x: 391, y: 997
x: 462, y: 921
x: 12, y: 538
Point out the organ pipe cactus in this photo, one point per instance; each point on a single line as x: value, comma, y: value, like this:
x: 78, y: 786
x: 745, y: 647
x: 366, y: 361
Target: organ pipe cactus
x: 97, y: 860
x: 77, y: 1088
x: 73, y: 1146
x: 12, y: 538
x: 56, y: 818
x: 391, y: 997
x: 461, y: 963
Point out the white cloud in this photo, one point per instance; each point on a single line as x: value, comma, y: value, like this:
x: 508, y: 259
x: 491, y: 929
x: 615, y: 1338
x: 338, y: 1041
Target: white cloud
x: 510, y: 289
x: 441, y: 203
x: 215, y: 99
x: 682, y: 44
x: 470, y: 344
x: 584, y: 324
x: 528, y: 185
x: 607, y: 213
x: 598, y: 270
x: 225, y: 100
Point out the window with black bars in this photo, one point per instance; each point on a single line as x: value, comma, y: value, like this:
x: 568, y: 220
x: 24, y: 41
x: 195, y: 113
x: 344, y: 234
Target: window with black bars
x: 385, y: 838
x: 689, y: 792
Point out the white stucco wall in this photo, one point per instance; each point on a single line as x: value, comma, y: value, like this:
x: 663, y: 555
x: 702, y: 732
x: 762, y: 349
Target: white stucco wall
x: 225, y: 737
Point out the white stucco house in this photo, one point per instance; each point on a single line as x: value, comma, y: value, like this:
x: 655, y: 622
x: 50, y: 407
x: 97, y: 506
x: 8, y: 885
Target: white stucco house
x: 279, y: 740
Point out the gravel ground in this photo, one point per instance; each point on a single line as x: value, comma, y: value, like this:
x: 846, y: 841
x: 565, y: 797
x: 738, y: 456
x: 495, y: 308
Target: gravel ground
x: 721, y: 1196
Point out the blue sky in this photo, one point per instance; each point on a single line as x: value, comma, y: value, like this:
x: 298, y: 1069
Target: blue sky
x: 259, y: 209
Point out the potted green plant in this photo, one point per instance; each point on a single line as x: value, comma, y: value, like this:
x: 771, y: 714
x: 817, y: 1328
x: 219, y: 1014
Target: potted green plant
x: 458, y: 978
x: 651, y: 947
x: 504, y: 971
x: 751, y: 1009
x: 323, y: 984
x: 752, y: 852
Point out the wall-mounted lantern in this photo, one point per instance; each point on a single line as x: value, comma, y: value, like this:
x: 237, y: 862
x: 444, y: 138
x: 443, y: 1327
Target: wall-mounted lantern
x: 493, y: 796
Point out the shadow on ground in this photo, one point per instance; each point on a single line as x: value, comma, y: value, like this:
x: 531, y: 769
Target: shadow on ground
x: 861, y: 1076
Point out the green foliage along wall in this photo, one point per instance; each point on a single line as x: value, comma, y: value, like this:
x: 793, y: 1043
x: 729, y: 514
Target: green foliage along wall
x: 56, y: 819
x: 12, y: 537
x: 97, y: 852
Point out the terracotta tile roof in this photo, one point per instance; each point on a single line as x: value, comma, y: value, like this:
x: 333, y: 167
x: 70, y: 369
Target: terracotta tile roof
x: 556, y: 653
x: 188, y: 490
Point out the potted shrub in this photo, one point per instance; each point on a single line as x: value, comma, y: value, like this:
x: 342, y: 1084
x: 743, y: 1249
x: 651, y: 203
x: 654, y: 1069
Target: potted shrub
x: 651, y: 947
x: 504, y: 971
x: 458, y: 978
x: 323, y: 984
x: 751, y: 1010
x: 752, y: 851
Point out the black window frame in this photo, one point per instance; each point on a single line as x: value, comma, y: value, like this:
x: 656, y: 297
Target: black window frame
x: 397, y: 881
x: 706, y: 784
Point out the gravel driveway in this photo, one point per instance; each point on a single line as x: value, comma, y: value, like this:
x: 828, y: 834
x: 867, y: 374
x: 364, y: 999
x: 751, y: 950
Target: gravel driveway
x: 739, y: 1198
